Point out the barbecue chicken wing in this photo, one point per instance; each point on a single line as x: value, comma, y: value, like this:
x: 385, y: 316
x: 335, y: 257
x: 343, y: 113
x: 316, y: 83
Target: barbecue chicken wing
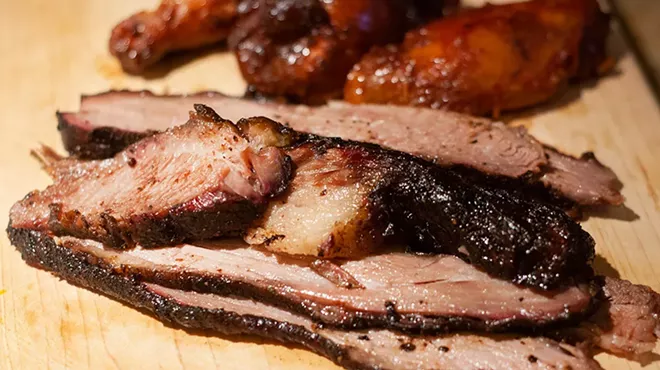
x: 145, y: 37
x: 303, y: 49
x: 483, y: 61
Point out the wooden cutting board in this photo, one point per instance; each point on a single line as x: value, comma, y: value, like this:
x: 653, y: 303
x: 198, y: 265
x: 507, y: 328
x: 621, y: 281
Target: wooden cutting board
x: 52, y: 51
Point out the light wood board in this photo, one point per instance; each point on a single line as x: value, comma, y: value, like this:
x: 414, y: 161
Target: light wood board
x: 52, y: 51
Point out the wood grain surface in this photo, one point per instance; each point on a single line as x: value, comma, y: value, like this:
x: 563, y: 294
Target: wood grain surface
x: 52, y: 51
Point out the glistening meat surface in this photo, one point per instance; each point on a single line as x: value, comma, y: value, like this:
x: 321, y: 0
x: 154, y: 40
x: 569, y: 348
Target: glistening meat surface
x: 197, y: 181
x: 372, y: 349
x: 397, y: 290
x: 487, y: 60
x: 144, y: 38
x: 109, y: 122
x: 303, y: 49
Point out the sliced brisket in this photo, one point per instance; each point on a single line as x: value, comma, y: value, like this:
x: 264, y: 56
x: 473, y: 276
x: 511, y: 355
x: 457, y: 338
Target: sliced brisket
x: 197, y: 181
x: 107, y: 122
x: 372, y: 349
x: 344, y: 199
x: 400, y: 291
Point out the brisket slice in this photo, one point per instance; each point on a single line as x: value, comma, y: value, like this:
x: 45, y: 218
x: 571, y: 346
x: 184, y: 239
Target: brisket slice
x: 627, y: 323
x: 346, y: 196
x: 107, y: 122
x: 436, y: 210
x: 196, y: 181
x: 399, y: 291
x: 372, y: 349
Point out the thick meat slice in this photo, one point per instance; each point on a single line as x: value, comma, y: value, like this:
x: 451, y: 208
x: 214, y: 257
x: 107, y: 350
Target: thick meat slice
x: 394, y: 290
x: 145, y: 37
x: 109, y: 122
x: 196, y: 181
x: 372, y: 349
x: 487, y: 60
x: 351, y: 194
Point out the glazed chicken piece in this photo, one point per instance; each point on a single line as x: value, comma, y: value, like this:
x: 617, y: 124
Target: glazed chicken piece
x: 483, y: 61
x: 302, y: 49
x: 144, y: 38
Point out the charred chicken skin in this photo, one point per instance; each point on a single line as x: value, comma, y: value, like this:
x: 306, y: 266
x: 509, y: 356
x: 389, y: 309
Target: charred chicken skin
x: 303, y: 49
x: 483, y: 61
x: 144, y: 38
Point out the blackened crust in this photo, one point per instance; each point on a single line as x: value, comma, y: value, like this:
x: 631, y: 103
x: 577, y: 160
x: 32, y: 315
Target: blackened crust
x: 40, y: 250
x: 96, y: 143
x: 440, y: 211
x: 183, y: 222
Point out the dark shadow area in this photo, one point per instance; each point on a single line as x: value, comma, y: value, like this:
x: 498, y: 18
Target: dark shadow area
x: 603, y: 267
x: 179, y: 59
x: 621, y: 213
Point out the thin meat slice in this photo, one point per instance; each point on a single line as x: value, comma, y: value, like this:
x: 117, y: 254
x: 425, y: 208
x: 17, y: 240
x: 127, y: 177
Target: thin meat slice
x: 196, y: 181
x: 395, y: 290
x: 369, y: 349
x: 448, y: 138
x: 110, y: 121
x: 377, y: 349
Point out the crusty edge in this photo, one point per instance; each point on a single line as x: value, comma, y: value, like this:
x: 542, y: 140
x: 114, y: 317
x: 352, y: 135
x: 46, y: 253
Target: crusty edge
x: 40, y: 250
x: 342, y: 317
x: 95, y: 143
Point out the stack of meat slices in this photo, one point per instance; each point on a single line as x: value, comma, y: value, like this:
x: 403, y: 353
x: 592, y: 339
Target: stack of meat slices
x: 257, y: 228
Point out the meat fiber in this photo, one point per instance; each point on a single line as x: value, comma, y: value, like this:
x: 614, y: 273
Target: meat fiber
x: 365, y: 349
x: 399, y: 291
x: 197, y: 181
x: 353, y: 194
x: 378, y: 349
x: 109, y: 122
